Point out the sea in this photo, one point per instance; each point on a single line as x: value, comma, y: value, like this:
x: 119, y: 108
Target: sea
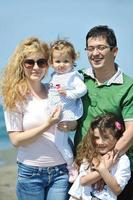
x: 4, y: 139
x: 5, y: 143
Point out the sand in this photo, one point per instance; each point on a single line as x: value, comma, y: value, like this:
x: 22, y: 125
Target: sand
x: 8, y: 174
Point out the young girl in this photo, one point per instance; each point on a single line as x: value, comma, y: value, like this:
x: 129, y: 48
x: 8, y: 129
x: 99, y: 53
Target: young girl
x: 95, y: 155
x: 66, y: 88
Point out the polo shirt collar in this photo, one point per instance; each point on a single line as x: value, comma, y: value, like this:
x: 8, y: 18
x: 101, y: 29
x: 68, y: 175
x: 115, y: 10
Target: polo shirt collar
x: 117, y: 78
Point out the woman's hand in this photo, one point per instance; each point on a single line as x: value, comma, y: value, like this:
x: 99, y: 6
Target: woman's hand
x: 55, y: 116
x: 31, y: 135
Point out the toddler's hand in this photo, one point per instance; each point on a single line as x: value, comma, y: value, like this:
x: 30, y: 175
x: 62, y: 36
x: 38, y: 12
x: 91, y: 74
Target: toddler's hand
x: 61, y: 90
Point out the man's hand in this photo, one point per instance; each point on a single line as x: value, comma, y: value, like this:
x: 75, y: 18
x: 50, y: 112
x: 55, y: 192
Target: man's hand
x: 67, y: 126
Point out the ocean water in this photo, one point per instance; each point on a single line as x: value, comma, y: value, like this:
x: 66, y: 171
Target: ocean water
x: 4, y: 140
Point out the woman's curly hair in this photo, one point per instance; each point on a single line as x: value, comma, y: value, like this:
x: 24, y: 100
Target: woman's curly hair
x: 13, y: 85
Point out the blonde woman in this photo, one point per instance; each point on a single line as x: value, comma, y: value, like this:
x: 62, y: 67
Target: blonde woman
x: 42, y: 170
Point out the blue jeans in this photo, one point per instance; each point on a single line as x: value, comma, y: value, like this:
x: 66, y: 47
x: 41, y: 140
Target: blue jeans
x: 47, y: 183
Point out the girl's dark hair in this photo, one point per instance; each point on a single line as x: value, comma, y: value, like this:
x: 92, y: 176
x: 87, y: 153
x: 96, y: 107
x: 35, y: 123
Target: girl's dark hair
x: 107, y: 121
x: 102, y: 31
x: 104, y: 122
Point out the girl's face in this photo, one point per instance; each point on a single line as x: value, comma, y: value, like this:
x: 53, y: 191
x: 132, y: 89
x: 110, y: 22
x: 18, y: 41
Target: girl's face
x: 62, y: 62
x: 105, y: 142
x: 35, y: 66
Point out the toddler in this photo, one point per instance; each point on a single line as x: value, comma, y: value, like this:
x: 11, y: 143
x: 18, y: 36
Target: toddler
x: 66, y: 89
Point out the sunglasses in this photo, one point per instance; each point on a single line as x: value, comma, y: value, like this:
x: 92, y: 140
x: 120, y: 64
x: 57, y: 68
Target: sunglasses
x: 29, y: 63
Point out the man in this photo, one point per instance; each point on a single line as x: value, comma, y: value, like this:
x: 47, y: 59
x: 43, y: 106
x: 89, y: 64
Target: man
x: 109, y: 90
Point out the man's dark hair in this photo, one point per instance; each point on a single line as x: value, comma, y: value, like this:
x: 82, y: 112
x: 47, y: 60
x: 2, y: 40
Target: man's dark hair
x: 102, y: 31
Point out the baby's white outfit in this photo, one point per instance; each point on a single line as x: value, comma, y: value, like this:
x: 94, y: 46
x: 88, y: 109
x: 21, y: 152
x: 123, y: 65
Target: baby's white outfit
x: 72, y: 108
x: 121, y: 171
x: 72, y: 82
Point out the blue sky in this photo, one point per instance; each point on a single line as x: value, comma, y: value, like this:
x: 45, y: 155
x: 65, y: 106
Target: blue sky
x: 48, y: 19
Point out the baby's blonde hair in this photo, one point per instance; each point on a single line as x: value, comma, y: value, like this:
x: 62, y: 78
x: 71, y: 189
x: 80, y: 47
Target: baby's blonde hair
x: 13, y: 86
x: 63, y: 45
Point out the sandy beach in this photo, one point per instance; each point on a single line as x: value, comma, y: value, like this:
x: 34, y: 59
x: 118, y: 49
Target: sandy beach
x: 8, y: 174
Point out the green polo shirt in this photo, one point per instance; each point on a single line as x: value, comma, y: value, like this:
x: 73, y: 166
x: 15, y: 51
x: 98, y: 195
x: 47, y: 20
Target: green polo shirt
x: 115, y: 96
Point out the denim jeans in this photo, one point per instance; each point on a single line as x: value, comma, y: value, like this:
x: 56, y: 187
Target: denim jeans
x: 47, y: 183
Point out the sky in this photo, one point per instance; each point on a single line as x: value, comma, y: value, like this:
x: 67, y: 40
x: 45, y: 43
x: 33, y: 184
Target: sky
x: 71, y: 19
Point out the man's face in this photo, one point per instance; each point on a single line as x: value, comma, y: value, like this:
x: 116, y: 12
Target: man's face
x: 99, y: 53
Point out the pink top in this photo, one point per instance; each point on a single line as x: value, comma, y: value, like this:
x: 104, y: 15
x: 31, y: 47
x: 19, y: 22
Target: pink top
x: 42, y: 152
